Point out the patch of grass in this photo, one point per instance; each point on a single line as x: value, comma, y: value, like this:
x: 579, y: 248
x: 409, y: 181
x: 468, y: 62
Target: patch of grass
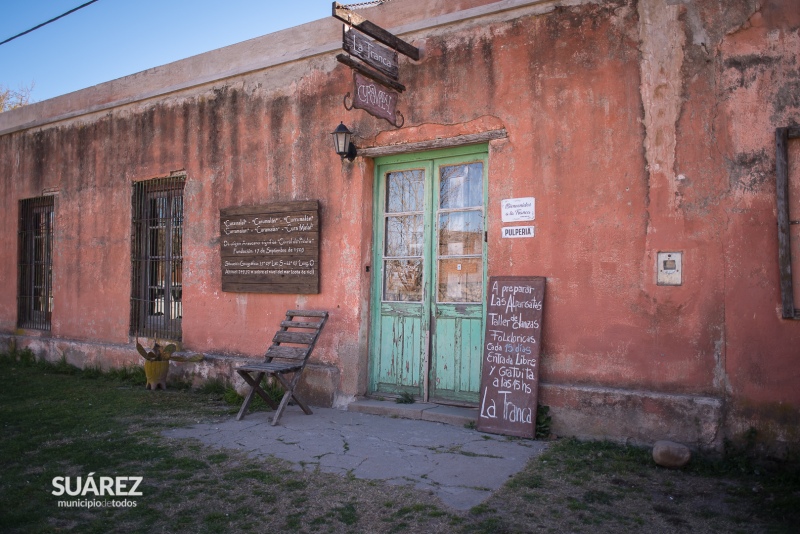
x: 481, y: 509
x: 242, y: 475
x: 346, y: 514
x: 213, y: 387
x: 57, y: 420
x: 598, y: 497
x: 231, y: 396
x: 405, y: 398
x: 188, y: 464
x: 491, y: 525
x: 217, y: 457
x: 92, y: 372
x: 293, y: 485
x: 526, y: 479
x: 602, y: 483
x: 575, y: 504
x: 413, y: 509
x: 319, y: 521
x: 131, y: 374
x: 543, y: 422
x: 294, y: 521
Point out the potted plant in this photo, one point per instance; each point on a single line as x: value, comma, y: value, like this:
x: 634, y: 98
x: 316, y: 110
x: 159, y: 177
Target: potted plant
x: 156, y: 365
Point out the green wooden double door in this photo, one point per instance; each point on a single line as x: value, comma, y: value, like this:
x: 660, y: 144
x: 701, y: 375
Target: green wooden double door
x: 429, y: 274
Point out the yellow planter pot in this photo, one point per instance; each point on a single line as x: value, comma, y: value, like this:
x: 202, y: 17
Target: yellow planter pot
x: 156, y: 373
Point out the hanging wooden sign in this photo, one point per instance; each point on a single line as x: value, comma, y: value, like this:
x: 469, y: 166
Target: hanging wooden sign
x: 373, y: 30
x: 273, y: 248
x: 369, y: 73
x: 371, y: 53
x: 512, y: 345
x: 376, y: 86
x: 375, y: 99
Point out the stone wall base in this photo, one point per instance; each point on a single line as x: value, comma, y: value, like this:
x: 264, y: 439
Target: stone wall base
x: 635, y: 417
x: 317, y: 385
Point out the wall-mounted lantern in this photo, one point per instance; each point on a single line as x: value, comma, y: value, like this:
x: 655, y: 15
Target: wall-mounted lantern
x: 342, y: 143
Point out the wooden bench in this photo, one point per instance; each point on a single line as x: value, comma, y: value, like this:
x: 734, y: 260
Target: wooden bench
x: 288, y: 354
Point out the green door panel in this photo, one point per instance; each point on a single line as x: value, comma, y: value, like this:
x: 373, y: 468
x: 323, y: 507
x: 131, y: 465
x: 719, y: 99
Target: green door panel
x: 401, y: 343
x: 458, y: 348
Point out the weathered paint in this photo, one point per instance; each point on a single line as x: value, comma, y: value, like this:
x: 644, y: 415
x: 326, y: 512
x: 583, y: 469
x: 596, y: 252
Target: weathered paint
x: 639, y: 127
x: 437, y: 341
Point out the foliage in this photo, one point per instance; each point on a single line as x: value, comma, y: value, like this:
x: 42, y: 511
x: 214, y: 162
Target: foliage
x: 405, y: 398
x: 165, y: 354
x: 26, y: 359
x: 11, y: 99
x: 543, y: 421
x: 213, y: 387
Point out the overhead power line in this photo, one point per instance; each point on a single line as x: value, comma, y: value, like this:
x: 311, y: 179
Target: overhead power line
x: 48, y: 22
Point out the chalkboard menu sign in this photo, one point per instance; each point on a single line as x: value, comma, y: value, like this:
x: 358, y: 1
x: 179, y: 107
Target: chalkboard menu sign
x: 512, y: 344
x: 272, y: 248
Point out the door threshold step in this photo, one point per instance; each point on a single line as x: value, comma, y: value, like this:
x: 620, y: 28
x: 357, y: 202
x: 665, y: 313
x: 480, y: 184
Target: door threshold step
x: 425, y: 411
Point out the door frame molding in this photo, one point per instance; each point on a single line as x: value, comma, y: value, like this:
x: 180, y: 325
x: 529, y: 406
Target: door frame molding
x: 376, y: 280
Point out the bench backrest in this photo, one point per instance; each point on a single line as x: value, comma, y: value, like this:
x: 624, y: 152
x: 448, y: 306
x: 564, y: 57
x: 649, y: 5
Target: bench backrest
x: 295, y: 340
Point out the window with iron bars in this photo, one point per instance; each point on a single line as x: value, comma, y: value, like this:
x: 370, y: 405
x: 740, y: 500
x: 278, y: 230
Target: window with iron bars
x: 157, y: 258
x: 35, y: 287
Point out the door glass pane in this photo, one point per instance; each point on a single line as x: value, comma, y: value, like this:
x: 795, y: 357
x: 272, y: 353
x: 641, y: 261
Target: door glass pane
x: 460, y: 280
x: 402, y: 280
x: 459, y: 228
x: 405, y: 191
x: 460, y: 233
x: 404, y: 236
x: 461, y: 186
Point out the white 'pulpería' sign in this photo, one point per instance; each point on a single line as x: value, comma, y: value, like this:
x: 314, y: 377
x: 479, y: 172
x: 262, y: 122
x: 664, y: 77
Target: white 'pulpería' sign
x: 518, y: 231
x: 518, y: 209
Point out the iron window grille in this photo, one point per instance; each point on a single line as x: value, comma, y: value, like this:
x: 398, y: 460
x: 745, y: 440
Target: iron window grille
x: 35, y: 287
x: 157, y: 258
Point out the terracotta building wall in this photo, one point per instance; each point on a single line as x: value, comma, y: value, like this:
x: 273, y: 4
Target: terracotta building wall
x: 758, y: 89
x: 639, y: 127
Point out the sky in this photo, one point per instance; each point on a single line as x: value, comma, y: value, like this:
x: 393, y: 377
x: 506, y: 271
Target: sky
x: 110, y: 39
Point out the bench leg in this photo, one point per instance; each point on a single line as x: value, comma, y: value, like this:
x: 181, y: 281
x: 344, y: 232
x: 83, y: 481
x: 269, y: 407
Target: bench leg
x: 255, y: 387
x: 289, y: 387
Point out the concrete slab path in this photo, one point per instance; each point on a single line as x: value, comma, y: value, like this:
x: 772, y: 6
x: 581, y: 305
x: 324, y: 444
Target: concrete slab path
x: 461, y: 466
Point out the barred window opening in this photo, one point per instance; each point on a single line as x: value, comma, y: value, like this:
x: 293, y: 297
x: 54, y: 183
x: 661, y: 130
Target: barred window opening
x: 35, y: 287
x: 157, y: 259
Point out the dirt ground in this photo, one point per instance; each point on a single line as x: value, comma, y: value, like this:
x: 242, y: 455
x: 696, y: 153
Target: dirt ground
x: 60, y: 421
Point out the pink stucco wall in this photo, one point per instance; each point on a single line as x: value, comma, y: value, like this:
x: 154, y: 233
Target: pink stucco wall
x: 639, y: 127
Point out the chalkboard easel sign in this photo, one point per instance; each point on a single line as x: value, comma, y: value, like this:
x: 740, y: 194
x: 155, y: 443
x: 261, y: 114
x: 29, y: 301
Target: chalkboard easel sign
x: 512, y: 345
x: 272, y: 248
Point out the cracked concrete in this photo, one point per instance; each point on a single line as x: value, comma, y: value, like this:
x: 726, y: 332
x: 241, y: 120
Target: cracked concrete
x: 460, y: 466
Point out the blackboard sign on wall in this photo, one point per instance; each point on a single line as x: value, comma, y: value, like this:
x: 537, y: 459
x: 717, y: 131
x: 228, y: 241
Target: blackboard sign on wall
x: 272, y: 248
x: 512, y: 345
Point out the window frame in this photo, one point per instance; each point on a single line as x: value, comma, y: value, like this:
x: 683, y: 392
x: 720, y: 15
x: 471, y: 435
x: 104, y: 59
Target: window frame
x: 35, y: 272
x: 782, y: 137
x: 156, y: 308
